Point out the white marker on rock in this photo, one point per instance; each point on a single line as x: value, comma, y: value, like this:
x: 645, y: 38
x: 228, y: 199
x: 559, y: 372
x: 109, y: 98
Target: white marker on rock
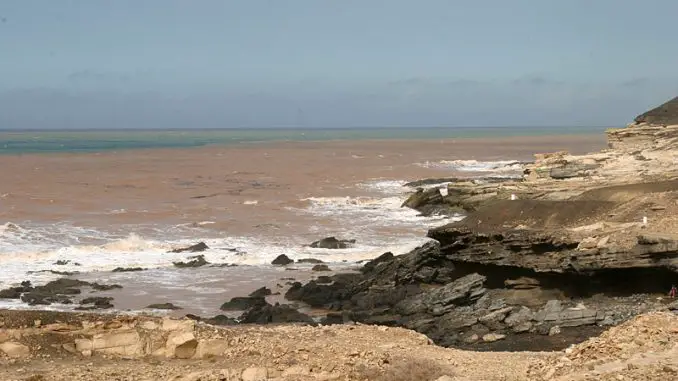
x: 513, y: 196
x: 644, y: 220
x: 443, y: 191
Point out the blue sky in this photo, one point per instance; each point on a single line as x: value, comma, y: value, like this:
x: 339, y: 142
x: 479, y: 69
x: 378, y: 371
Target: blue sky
x: 256, y: 63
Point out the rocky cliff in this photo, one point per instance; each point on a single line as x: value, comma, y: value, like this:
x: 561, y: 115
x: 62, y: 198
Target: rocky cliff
x: 579, y: 241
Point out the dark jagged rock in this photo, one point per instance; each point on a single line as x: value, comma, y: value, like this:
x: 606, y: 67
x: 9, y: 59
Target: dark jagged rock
x: 196, y: 261
x: 455, y: 303
x: 370, y: 265
x: 95, y: 303
x: 439, y: 301
x: 220, y: 320
x: 260, y: 292
x: 383, y: 282
x: 63, y: 262
x: 282, y: 260
x: 127, y: 269
x: 58, y: 291
x: 198, y: 247
x: 15, y: 292
x: 163, y: 306
x: 242, y: 303
x: 664, y: 114
x: 271, y: 314
x: 321, y: 268
x: 324, y: 279
x: 333, y: 243
x: 223, y: 265
x: 104, y: 287
x: 526, y: 234
x: 55, y: 272
x: 310, y: 260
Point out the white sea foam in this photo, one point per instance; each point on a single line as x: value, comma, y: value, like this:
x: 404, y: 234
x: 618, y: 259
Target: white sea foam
x: 30, y: 251
x: 386, y: 186
x: 476, y: 166
x: 27, y: 255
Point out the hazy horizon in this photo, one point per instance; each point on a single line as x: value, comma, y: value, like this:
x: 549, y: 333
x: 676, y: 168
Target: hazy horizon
x: 353, y: 64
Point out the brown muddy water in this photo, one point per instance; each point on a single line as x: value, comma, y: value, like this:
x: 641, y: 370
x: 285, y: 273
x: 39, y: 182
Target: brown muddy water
x: 249, y: 203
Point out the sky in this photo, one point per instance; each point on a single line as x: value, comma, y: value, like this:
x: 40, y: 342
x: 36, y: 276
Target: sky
x: 343, y: 63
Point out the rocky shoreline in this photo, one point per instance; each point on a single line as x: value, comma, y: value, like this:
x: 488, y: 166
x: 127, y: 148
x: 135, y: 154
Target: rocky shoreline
x: 575, y: 246
x: 580, y: 243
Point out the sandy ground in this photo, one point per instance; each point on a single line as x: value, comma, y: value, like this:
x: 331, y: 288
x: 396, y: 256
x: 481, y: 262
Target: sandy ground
x: 643, y: 348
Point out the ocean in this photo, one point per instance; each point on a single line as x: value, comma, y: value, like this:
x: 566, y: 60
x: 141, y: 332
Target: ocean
x: 86, y: 202
x: 36, y: 141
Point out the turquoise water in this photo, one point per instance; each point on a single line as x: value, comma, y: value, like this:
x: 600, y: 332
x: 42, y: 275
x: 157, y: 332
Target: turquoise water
x: 17, y: 142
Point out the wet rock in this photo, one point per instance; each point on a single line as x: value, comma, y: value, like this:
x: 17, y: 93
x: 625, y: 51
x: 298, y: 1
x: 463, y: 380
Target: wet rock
x: 163, y: 306
x: 371, y: 265
x: 242, y: 303
x: 15, y: 292
x: 333, y: 243
x: 127, y: 269
x: 282, y: 260
x: 266, y: 314
x: 220, y: 320
x: 11, y: 293
x: 59, y: 291
x: 260, y: 292
x: 95, y: 303
x: 104, y: 287
x: 310, y: 260
x: 36, y: 298
x: 198, y: 247
x: 64, y: 262
x: 196, y: 261
x: 321, y: 268
x: 55, y: 272
x: 325, y: 295
x: 323, y: 279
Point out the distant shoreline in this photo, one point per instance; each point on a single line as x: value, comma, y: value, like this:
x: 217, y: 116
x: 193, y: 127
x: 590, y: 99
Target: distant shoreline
x: 22, y: 142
